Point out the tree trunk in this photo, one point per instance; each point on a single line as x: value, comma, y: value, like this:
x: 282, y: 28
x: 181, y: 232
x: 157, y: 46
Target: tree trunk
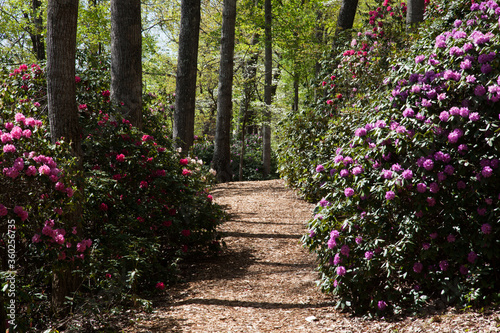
x: 243, y: 147
x: 126, y: 59
x: 415, y: 12
x: 222, y: 149
x: 185, y: 91
x: 61, y: 96
x: 61, y: 87
x: 347, y: 14
x: 249, y: 88
x: 38, y: 47
x: 268, y: 65
x: 295, y: 106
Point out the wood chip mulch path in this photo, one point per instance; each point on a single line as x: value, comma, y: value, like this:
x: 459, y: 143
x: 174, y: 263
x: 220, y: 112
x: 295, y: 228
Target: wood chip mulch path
x: 266, y: 281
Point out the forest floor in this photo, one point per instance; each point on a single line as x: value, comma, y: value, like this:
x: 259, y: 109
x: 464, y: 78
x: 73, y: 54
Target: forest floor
x: 265, y: 281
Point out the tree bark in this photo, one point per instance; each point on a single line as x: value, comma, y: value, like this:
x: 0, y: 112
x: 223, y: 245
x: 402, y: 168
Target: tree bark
x: 415, y: 12
x: 268, y: 88
x: 61, y: 87
x: 63, y: 115
x: 185, y: 91
x: 222, y: 149
x: 36, y: 20
x: 126, y: 59
x: 346, y: 16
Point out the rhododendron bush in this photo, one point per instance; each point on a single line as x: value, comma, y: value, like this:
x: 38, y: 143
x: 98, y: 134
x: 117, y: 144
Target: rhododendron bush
x: 411, y: 204
x: 143, y: 206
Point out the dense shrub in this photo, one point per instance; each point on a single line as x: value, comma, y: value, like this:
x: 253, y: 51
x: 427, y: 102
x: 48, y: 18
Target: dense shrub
x: 143, y: 206
x: 37, y: 193
x: 412, y: 209
x: 351, y: 77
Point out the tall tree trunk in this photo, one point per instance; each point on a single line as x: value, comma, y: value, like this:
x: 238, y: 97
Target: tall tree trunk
x: 415, y: 12
x: 126, y: 59
x: 249, y: 87
x: 347, y: 14
x: 61, y: 96
x: 61, y: 87
x: 222, y: 149
x: 187, y: 61
x: 36, y: 20
x: 295, y: 106
x: 268, y: 89
x: 243, y: 147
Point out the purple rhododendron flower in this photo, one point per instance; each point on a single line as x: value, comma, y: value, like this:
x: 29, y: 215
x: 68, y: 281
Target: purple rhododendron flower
x: 417, y: 267
x: 368, y: 255
x: 421, y: 187
x: 381, y: 305
x: 345, y: 250
x: 455, y: 135
x: 486, y: 228
x: 471, y: 257
x: 357, y: 170
x: 320, y: 168
x: 407, y: 174
x: 341, y: 270
x: 360, y: 132
x: 487, y: 171
x: 443, y: 265
x: 479, y: 90
x: 349, y: 192
x: 337, y: 259
x: 434, y: 187
x: 324, y: 203
x: 390, y: 195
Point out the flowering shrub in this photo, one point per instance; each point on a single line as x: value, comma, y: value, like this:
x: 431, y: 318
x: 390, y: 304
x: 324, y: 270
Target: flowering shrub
x: 37, y: 192
x: 352, y: 76
x: 144, y: 207
x: 147, y: 207
x: 412, y: 209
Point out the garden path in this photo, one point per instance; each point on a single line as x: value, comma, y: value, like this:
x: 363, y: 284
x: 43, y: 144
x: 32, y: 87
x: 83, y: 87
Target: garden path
x: 265, y: 280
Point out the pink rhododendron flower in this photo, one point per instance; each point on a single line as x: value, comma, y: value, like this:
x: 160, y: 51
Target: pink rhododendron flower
x: 186, y: 232
x: 21, y: 212
x: 20, y: 118
x: 120, y: 157
x: 16, y: 132
x: 186, y: 172
x: 160, y: 286
x: 60, y: 187
x: 59, y: 239
x: 44, y: 170
x: 36, y: 238
x: 3, y: 210
x: 8, y: 148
